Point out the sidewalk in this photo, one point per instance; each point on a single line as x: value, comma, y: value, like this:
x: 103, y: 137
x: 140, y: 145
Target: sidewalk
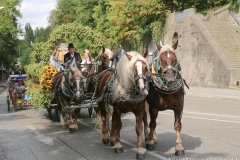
x: 2, y: 86
x: 222, y: 93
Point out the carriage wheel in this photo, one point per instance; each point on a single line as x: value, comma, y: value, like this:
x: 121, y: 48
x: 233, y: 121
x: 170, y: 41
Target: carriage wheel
x: 8, y: 104
x: 49, y: 110
x: 90, y: 112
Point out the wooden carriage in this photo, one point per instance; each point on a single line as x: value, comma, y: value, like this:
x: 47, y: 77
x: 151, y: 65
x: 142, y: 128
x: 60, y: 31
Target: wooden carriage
x: 25, y: 101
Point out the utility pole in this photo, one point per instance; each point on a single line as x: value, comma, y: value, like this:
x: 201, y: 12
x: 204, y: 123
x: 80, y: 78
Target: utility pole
x: 18, y: 61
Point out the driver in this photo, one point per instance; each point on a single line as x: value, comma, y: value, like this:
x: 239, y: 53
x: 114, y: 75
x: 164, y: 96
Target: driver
x: 72, y: 57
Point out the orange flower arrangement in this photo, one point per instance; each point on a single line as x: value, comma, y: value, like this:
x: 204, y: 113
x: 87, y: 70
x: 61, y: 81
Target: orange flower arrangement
x: 46, y: 76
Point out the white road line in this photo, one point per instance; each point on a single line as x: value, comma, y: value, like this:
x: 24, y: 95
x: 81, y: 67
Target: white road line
x: 126, y: 142
x: 219, y: 115
x: 210, y: 119
x: 40, y: 137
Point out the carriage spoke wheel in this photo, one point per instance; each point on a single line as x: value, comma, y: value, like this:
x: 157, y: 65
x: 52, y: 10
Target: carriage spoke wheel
x: 8, y: 104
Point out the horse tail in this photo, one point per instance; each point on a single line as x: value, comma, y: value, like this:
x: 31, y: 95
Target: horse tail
x: 185, y: 83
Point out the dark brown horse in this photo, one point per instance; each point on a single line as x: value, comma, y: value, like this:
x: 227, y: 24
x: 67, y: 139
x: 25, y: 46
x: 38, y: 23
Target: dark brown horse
x: 166, y: 92
x: 125, y: 88
x: 68, y: 90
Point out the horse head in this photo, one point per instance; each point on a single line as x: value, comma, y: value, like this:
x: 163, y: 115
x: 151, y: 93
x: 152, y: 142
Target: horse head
x: 140, y: 69
x: 104, y: 58
x: 76, y: 84
x: 166, y: 62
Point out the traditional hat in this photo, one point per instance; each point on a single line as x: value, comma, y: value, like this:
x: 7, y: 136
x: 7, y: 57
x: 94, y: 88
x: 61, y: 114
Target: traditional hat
x: 70, y: 45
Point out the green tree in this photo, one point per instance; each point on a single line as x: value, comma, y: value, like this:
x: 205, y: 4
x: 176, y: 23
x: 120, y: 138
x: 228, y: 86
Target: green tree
x: 85, y: 11
x: 25, y: 51
x: 64, y: 13
x: 9, y: 31
x: 42, y: 34
x: 29, y: 36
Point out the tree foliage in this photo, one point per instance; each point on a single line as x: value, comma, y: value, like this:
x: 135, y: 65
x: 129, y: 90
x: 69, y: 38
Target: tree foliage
x: 81, y: 36
x: 29, y: 35
x: 9, y: 31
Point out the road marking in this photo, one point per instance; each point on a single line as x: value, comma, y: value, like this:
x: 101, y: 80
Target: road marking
x: 219, y: 115
x: 126, y: 142
x: 210, y: 119
x: 40, y: 137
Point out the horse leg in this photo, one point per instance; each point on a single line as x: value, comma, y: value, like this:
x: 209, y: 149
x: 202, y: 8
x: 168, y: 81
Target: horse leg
x: 71, y: 125
x: 76, y: 113
x: 150, y: 141
x: 118, y: 126
x: 60, y: 115
x: 113, y: 129
x: 146, y: 119
x: 179, y: 150
x: 105, y: 136
x: 139, y: 128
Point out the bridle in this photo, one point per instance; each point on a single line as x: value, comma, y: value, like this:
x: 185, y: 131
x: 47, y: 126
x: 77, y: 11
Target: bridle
x: 137, y: 77
x: 159, y: 67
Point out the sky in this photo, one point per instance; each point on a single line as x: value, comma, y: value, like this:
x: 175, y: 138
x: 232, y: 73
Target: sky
x: 36, y: 12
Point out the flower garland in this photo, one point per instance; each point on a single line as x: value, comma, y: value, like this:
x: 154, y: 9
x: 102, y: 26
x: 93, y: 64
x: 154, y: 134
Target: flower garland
x: 46, y: 76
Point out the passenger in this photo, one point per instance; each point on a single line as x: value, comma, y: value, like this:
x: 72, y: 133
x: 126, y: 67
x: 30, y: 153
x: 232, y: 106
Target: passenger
x: 18, y: 91
x: 54, y: 59
x: 87, y: 61
x: 72, y: 58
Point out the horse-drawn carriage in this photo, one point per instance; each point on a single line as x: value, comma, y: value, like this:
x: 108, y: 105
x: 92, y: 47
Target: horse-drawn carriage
x: 126, y: 86
x: 16, y: 92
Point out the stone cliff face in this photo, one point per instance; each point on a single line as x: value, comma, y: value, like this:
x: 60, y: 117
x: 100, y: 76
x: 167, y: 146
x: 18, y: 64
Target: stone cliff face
x: 209, y: 47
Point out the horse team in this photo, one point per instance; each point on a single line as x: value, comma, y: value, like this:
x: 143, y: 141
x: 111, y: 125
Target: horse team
x: 126, y: 81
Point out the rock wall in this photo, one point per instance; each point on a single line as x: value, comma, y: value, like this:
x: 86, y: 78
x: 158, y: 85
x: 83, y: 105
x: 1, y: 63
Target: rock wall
x: 200, y: 59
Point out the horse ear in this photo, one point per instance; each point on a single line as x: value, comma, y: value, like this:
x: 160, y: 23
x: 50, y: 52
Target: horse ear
x: 128, y: 56
x: 103, y: 49
x: 175, y: 45
x: 158, y: 47
x: 145, y: 54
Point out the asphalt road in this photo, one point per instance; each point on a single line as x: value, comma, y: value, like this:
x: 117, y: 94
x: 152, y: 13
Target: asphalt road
x: 211, y: 127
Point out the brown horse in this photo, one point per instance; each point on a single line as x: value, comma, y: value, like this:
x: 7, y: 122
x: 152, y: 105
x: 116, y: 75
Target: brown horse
x: 166, y: 92
x: 125, y: 88
x: 68, y: 90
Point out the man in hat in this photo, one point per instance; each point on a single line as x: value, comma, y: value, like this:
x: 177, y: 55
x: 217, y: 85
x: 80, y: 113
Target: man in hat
x: 72, y: 58
x: 20, y: 70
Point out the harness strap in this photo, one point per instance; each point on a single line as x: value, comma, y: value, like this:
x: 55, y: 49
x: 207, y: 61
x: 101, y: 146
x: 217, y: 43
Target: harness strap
x: 156, y: 69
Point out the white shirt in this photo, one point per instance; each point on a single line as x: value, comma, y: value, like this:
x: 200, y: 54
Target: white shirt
x: 55, y: 63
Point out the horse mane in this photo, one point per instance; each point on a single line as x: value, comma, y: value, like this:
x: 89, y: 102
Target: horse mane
x: 125, y: 71
x: 165, y: 48
x: 76, y: 71
x: 108, y: 52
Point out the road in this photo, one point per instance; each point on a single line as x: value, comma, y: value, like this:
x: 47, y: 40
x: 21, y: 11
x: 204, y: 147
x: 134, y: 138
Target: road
x: 211, y: 127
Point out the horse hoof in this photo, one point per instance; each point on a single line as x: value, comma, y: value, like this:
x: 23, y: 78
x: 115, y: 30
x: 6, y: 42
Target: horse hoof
x: 118, y: 150
x: 105, y: 141
x: 179, y: 153
x: 150, y: 147
x: 112, y: 143
x: 72, y: 130
x: 140, y: 156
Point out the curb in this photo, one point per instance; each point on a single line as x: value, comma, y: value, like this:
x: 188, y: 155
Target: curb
x: 212, y: 96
